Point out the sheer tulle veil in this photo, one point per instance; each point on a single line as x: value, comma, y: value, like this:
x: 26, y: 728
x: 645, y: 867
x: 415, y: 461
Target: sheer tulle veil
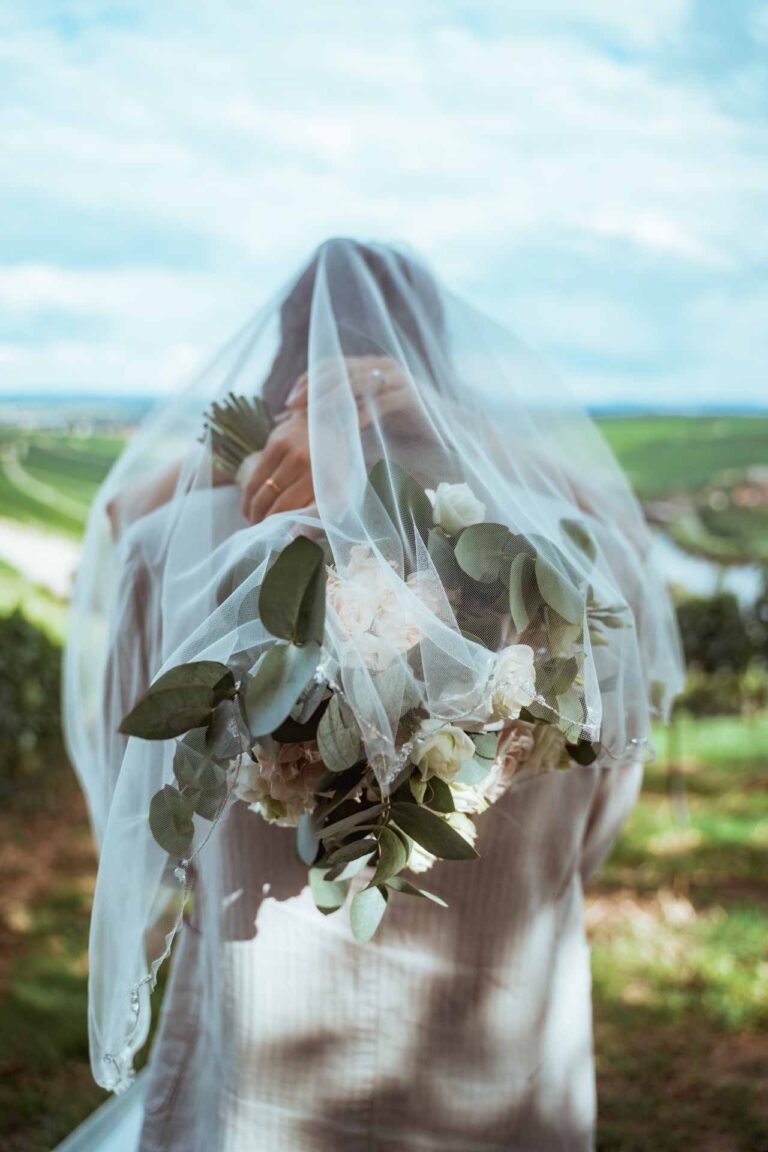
x: 171, y: 580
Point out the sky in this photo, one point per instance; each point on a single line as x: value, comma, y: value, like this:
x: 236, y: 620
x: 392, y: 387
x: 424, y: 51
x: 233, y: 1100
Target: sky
x: 594, y: 173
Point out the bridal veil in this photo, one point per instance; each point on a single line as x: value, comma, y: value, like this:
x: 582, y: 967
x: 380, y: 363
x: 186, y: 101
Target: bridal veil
x: 410, y: 394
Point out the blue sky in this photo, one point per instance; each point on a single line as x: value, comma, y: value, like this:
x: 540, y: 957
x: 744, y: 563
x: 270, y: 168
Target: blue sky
x: 593, y: 172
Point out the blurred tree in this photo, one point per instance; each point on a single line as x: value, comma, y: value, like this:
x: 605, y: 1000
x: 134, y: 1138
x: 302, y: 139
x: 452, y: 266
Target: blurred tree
x: 715, y: 634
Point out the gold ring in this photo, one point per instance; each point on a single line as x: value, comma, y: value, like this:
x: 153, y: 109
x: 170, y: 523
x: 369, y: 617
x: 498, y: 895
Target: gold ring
x: 273, y: 484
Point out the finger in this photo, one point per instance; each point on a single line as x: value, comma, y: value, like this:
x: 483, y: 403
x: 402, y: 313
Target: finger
x: 284, y: 476
x: 268, y: 462
x: 297, y: 397
x: 299, y: 495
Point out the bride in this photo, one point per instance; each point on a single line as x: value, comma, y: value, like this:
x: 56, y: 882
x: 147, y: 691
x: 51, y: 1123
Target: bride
x: 464, y: 1028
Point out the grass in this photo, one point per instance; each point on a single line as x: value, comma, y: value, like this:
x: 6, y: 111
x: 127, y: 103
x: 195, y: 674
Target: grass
x: 49, y: 479
x: 678, y: 920
x: 39, y: 606
x: 679, y: 926
x: 665, y: 454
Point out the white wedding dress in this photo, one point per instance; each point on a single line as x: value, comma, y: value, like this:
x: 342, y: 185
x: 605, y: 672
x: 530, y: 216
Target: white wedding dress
x: 460, y: 1030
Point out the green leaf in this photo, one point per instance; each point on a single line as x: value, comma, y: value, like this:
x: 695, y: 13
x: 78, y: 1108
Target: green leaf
x: 418, y: 787
x: 579, y: 535
x: 368, y: 907
x: 432, y: 832
x: 292, y: 596
x: 482, y: 551
x: 405, y: 502
x: 281, y: 675
x: 473, y: 771
x: 393, y: 856
x: 583, y: 752
x: 224, y: 735
x: 439, y: 796
x: 338, y: 737
x: 352, y: 851
x: 329, y: 895
x: 524, y: 599
x: 307, y: 840
x: 557, y: 675
x: 443, y: 558
x: 171, y: 820
x: 400, y: 884
x: 570, y: 714
x: 180, y: 699
x: 558, y: 591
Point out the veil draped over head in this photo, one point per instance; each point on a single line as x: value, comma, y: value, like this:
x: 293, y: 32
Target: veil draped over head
x: 428, y: 425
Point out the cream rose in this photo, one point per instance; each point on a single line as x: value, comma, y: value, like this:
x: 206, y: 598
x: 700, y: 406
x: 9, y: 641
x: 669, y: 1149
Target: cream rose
x: 353, y: 602
x: 441, y: 749
x: 468, y: 798
x: 513, y: 684
x: 456, y: 507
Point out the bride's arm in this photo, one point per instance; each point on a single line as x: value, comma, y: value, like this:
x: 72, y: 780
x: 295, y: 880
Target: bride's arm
x: 136, y: 500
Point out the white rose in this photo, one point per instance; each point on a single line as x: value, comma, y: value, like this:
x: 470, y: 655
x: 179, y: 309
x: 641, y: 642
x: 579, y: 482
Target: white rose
x: 419, y: 859
x: 375, y: 652
x: 461, y: 823
x: 513, y: 685
x: 441, y: 749
x: 468, y: 798
x: 456, y: 507
x: 353, y: 602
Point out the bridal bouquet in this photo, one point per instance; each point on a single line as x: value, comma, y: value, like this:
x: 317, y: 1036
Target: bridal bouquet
x: 282, y: 734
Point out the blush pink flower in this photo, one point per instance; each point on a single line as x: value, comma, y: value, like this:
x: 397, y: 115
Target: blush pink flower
x: 281, y: 780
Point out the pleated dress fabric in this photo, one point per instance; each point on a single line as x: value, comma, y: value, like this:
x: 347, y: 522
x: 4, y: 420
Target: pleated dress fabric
x: 465, y: 1029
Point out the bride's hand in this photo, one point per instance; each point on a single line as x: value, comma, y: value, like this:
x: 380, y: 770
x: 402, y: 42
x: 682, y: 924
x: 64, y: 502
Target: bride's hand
x: 282, y: 478
x: 380, y: 385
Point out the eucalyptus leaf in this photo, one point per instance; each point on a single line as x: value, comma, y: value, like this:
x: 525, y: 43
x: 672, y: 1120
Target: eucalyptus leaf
x: 441, y: 553
x: 482, y: 553
x: 393, y: 856
x: 292, y: 596
x: 338, y: 737
x: 524, y: 598
x: 571, y: 714
x: 366, y: 911
x: 432, y: 832
x: 486, y: 744
x: 473, y: 771
x: 404, y: 500
x: 281, y: 675
x: 180, y: 699
x: 307, y: 840
x: 329, y: 895
x: 558, y: 591
x: 579, y: 535
x: 171, y: 820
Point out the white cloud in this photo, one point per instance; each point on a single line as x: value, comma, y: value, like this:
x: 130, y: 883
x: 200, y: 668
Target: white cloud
x: 468, y: 132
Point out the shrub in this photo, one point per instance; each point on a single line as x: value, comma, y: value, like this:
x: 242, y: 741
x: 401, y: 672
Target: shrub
x: 714, y: 633
x: 32, y: 758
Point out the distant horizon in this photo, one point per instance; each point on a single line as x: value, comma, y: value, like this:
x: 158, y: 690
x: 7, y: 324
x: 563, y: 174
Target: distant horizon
x: 606, y: 408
